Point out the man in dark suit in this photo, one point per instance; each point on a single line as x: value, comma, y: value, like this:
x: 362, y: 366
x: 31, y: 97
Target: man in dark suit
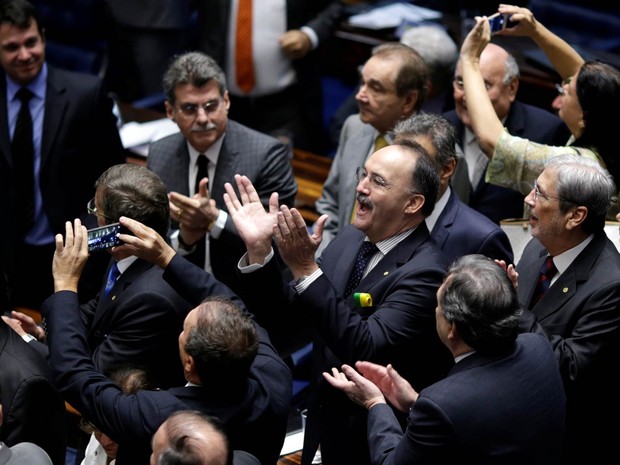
x: 501, y: 76
x: 232, y: 371
x: 286, y: 98
x: 382, y: 310
x: 503, y: 401
x: 198, y: 101
x: 137, y: 317
x: 74, y: 139
x: 580, y: 311
x: 458, y: 229
x: 32, y: 409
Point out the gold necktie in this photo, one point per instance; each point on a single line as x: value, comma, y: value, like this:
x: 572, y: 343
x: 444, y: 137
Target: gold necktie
x: 243, y: 47
x: 380, y: 142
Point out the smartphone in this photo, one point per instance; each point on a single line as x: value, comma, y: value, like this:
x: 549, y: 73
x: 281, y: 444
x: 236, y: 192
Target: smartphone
x: 498, y: 22
x: 104, y: 237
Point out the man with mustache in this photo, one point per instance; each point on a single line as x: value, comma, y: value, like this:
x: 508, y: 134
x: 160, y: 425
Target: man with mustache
x: 382, y: 309
x: 212, y: 146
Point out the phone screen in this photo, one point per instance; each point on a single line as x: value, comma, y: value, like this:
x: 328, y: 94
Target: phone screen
x: 104, y: 237
x: 497, y: 22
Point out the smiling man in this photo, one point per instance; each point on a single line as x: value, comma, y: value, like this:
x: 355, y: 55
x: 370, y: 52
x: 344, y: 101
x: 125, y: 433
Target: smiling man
x: 382, y: 309
x: 577, y: 301
x: 58, y: 134
x: 212, y: 146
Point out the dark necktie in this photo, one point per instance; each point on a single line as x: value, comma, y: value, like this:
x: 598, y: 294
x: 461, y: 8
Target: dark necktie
x: 367, y: 250
x: 22, y: 148
x: 547, y: 271
x: 203, y: 170
x: 113, y: 275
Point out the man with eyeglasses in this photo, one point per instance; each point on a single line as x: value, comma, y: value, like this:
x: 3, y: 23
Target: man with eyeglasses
x: 569, y: 284
x: 197, y: 101
x: 500, y: 72
x: 393, y: 86
x: 371, y: 293
x: 51, y: 153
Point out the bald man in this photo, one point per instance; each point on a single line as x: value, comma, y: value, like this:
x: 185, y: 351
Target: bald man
x: 501, y: 76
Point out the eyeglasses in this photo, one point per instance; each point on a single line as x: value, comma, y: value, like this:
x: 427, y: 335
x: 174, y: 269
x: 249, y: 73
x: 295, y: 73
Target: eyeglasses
x: 377, y: 181
x: 560, y: 87
x: 192, y: 109
x: 459, y: 85
x: 91, y: 208
x: 538, y: 194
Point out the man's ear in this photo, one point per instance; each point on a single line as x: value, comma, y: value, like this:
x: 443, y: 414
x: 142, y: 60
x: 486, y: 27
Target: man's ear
x: 414, y: 203
x: 169, y: 110
x: 576, y: 216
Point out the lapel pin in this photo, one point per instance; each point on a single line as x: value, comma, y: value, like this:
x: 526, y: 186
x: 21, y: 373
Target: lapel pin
x: 565, y: 290
x: 385, y: 273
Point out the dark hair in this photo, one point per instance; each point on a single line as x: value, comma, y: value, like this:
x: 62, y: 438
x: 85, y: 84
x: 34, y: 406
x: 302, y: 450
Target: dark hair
x: 184, y: 448
x: 437, y: 128
x: 598, y: 90
x: 20, y: 14
x: 136, y: 192
x: 223, y: 341
x: 413, y: 72
x: 193, y: 68
x: 425, y: 177
x: 479, y: 298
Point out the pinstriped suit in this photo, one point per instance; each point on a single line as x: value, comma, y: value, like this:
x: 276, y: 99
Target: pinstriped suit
x: 263, y: 159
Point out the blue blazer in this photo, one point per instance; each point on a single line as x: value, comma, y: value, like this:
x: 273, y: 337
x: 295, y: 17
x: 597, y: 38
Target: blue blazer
x: 461, y: 230
x: 504, y: 408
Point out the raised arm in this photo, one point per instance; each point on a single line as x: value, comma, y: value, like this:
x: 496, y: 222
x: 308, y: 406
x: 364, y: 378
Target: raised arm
x: 563, y: 57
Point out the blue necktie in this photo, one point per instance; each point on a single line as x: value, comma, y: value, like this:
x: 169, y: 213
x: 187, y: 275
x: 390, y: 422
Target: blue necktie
x: 367, y: 250
x: 112, y: 277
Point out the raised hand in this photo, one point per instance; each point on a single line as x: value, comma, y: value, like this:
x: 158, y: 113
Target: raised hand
x: 254, y: 224
x: 394, y: 387
x: 296, y: 245
x: 70, y: 256
x: 359, y: 389
x: 145, y: 242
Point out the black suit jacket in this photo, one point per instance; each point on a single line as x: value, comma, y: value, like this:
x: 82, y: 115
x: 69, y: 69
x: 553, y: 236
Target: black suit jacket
x: 580, y: 314
x: 138, y: 322
x: 80, y: 141
x: 32, y: 408
x: 263, y: 159
x: 504, y: 408
x: 525, y: 121
x: 254, y: 416
x: 397, y: 328
x: 461, y: 230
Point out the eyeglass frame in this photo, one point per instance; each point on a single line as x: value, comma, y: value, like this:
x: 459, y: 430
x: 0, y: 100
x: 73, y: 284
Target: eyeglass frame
x: 538, y: 193
x: 192, y: 109
x: 377, y: 181
x: 459, y: 84
x: 91, y: 208
x: 560, y: 87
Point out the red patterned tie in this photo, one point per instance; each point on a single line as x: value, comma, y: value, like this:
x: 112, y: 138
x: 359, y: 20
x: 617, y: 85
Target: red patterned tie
x: 243, y: 47
x: 547, y: 271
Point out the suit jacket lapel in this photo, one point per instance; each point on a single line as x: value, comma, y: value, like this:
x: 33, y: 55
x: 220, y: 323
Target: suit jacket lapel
x: 5, y: 137
x: 441, y: 231
x: 226, y: 164
x: 55, y: 108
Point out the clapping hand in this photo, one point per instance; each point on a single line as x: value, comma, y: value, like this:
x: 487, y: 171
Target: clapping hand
x: 359, y: 389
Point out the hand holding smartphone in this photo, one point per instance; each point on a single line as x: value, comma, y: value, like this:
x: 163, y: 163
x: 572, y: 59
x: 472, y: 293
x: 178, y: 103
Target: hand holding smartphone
x: 498, y: 22
x: 104, y: 237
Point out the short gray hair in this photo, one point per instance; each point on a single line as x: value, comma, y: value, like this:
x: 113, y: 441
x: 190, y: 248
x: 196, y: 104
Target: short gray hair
x: 193, y: 68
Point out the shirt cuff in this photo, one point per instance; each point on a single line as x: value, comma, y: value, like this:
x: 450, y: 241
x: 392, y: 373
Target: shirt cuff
x: 314, y: 39
x: 303, y: 284
x: 219, y: 224
x: 245, y: 267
